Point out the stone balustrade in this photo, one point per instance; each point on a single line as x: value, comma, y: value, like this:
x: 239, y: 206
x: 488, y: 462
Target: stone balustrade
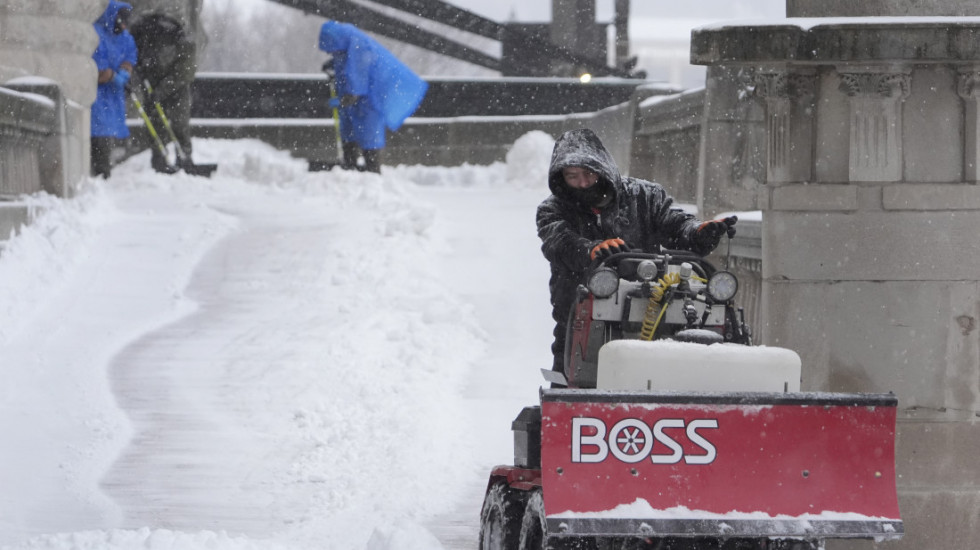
x: 26, y: 120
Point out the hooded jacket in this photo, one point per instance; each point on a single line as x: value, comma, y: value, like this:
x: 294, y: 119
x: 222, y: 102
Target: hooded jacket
x: 363, y: 67
x: 639, y: 212
x: 168, y: 58
x: 109, y: 109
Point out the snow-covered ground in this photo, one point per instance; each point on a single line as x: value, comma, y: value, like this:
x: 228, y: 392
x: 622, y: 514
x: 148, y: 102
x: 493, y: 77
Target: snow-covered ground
x: 270, y: 358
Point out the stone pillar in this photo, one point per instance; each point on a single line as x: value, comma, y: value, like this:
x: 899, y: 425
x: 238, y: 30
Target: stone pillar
x: 789, y: 123
x: 868, y: 264
x: 876, y: 96
x: 968, y: 88
x: 572, y: 23
x: 51, y: 42
x: 573, y: 29
x: 621, y: 21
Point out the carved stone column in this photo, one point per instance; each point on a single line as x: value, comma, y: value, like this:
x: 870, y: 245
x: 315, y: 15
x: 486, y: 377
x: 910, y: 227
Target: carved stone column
x: 968, y: 88
x: 876, y: 98
x: 46, y: 48
x: 789, y: 124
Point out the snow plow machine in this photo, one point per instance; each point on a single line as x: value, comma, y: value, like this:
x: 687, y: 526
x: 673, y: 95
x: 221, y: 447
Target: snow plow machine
x: 669, y: 430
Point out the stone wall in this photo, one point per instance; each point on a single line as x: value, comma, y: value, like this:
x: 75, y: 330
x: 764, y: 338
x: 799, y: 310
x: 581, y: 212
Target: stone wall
x: 667, y: 142
x: 870, y: 209
x: 46, y: 48
x: 450, y: 141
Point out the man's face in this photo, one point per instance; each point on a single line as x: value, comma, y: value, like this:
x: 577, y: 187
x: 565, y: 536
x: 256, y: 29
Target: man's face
x: 122, y: 21
x: 579, y: 178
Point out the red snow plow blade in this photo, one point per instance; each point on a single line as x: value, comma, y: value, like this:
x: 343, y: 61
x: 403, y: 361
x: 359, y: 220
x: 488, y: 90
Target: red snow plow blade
x: 682, y: 464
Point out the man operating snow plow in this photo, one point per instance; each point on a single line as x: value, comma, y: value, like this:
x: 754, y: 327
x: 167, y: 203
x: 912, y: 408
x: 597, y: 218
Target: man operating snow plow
x: 668, y: 430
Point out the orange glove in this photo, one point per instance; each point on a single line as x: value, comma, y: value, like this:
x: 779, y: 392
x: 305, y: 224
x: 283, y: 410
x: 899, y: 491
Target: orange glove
x: 608, y: 247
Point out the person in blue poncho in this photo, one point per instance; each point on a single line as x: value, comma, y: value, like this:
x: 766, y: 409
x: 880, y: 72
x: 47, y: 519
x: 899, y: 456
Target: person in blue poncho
x: 375, y: 91
x: 114, y: 57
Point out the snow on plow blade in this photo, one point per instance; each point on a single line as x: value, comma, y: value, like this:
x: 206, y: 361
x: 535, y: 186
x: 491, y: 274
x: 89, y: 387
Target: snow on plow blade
x: 813, y: 465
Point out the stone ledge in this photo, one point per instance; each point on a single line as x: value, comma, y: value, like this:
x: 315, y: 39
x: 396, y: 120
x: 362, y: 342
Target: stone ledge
x: 931, y: 197
x: 815, y: 197
x: 869, y: 40
x: 889, y: 8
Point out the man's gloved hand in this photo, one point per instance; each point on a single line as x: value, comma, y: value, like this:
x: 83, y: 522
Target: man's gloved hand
x: 608, y: 247
x: 349, y: 100
x: 121, y: 78
x: 709, y: 233
x: 333, y: 103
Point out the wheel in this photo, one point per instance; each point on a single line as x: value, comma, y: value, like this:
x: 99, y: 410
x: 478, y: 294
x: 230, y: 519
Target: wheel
x: 534, y: 530
x: 500, y: 519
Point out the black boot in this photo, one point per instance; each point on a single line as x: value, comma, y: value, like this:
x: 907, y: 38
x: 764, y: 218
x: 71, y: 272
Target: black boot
x: 351, y: 153
x: 372, y: 160
x: 101, y: 151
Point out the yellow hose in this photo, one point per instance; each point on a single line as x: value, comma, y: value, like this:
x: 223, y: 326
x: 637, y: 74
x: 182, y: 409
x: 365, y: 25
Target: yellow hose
x: 651, y: 318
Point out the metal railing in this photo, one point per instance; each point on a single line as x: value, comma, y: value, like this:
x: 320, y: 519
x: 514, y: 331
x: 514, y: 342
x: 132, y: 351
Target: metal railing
x: 26, y: 121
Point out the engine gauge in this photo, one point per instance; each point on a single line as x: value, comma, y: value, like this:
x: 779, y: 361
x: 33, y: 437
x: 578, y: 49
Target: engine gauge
x: 604, y: 282
x: 647, y: 270
x: 722, y: 286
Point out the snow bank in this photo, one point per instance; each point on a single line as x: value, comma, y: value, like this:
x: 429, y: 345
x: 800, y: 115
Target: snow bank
x: 146, y: 539
x: 529, y: 159
x: 38, y: 260
x: 339, y: 386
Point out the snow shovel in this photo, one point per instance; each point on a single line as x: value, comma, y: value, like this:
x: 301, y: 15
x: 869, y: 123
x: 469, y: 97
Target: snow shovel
x: 318, y: 165
x: 169, y: 169
x: 183, y: 160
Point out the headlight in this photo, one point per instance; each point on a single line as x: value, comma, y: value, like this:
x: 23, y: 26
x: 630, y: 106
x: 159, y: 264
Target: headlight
x: 722, y: 286
x: 647, y: 270
x: 603, y: 282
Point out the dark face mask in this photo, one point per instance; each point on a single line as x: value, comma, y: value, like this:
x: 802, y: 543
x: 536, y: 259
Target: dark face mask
x: 122, y: 21
x: 597, y: 196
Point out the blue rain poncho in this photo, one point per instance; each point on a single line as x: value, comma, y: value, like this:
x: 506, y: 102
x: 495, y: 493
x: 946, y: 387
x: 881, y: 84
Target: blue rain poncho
x: 109, y: 109
x: 390, y: 91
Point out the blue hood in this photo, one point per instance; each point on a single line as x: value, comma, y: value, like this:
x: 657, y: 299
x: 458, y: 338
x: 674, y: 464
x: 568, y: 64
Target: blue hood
x: 335, y: 37
x: 365, y: 68
x: 107, y: 21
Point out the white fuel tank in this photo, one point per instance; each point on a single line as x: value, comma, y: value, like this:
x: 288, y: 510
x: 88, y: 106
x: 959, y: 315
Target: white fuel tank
x: 683, y: 366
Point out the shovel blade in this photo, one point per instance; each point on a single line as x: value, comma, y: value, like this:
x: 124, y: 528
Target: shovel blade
x: 204, y: 170
x: 324, y: 165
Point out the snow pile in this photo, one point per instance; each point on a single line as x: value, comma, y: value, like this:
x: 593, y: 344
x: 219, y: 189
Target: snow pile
x: 140, y: 539
x: 303, y: 325
x: 526, y: 167
x: 42, y: 256
x: 467, y: 175
x: 402, y: 536
x: 529, y: 159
